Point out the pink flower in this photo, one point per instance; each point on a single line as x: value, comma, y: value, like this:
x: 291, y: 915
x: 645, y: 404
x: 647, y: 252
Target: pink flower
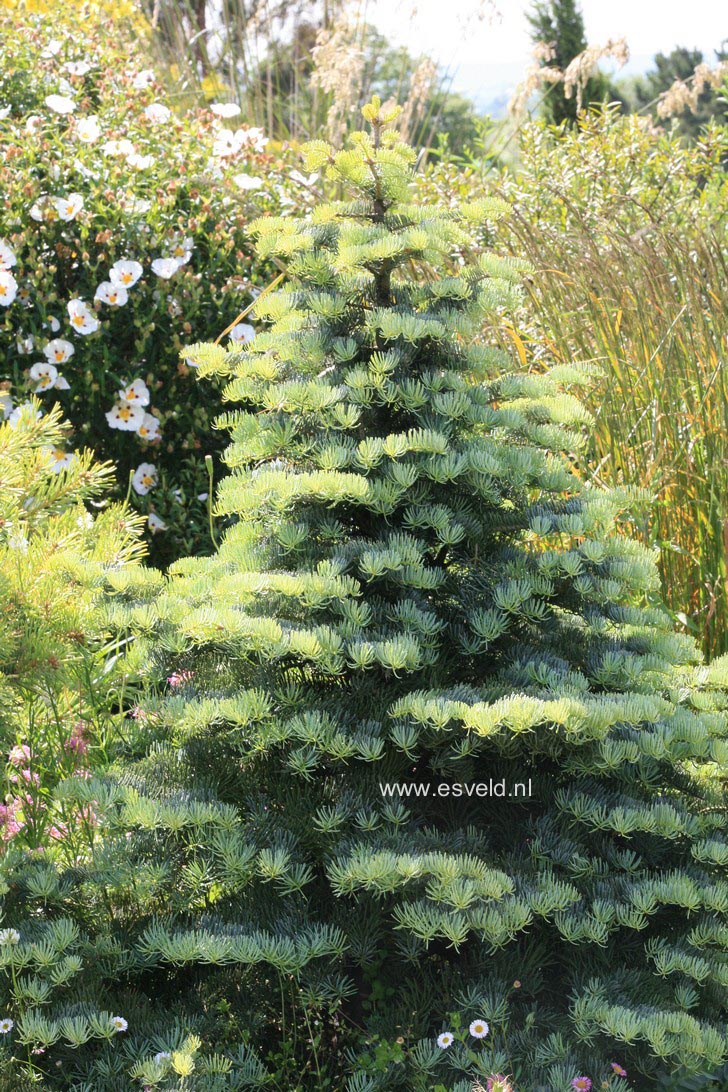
x: 619, y: 1070
x: 498, y: 1083
x: 19, y: 755
x: 179, y: 678
x: 77, y: 742
x: 581, y: 1084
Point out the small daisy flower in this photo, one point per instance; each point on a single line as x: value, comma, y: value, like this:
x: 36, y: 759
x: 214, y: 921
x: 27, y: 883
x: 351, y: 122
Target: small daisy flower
x: 149, y: 428
x: 581, y: 1084
x: 225, y: 109
x: 88, y: 130
x: 445, y: 1040
x: 9, y: 936
x: 58, y: 351
x: 60, y: 104
x: 143, y: 79
x: 119, y: 1023
x: 182, y: 249
x: 113, y: 294
x: 125, y: 273
x: 46, y: 377
x: 242, y: 333
x: 247, y: 182
x: 145, y: 478
x: 165, y: 267
x: 140, y: 162
x: 157, y: 113
x: 7, y: 255
x: 136, y: 393
x: 125, y: 417
x: 155, y: 524
x: 82, y: 318
x: 6, y: 1025
x: 618, y: 1069
x: 8, y: 288
x: 225, y: 144
x: 69, y: 207
x: 479, y: 1029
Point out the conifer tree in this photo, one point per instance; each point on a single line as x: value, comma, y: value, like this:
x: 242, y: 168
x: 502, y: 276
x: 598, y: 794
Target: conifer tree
x: 417, y: 590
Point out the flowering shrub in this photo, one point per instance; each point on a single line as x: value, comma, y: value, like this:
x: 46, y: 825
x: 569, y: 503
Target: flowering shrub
x: 123, y: 236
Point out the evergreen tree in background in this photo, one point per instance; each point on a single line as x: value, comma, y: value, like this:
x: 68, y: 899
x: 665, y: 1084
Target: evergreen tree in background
x: 418, y: 590
x: 559, y: 24
x: 642, y: 92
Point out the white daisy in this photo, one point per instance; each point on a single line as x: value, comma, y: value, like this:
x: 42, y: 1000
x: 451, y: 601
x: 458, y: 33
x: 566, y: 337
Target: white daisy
x: 125, y: 417
x: 136, y: 393
x: 182, y: 248
x: 8, y: 288
x: 82, y: 318
x: 242, y: 333
x: 46, y: 377
x: 69, y: 207
x: 113, y: 294
x: 445, y: 1040
x: 479, y: 1029
x: 6, y: 1025
x: 149, y: 428
x: 155, y: 524
x: 165, y: 267
x: 225, y: 109
x: 247, y: 182
x: 125, y: 273
x: 60, y: 104
x: 9, y: 936
x: 144, y: 478
x: 119, y: 1023
x: 157, y: 113
x: 58, y: 351
x: 7, y: 255
x: 61, y: 459
x: 88, y: 130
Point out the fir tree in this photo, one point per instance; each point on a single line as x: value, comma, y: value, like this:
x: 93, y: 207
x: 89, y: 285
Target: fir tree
x: 418, y: 589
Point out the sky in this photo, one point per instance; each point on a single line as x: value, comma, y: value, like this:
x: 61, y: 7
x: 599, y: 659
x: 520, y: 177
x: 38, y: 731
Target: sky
x: 488, y: 57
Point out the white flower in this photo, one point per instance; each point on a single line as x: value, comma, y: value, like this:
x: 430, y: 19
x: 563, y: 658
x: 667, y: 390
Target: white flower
x: 88, y: 130
x: 145, y: 478
x: 242, y: 333
x: 252, y: 138
x: 6, y: 406
x: 182, y: 250
x: 165, y: 267
x: 125, y: 273
x: 9, y: 936
x: 53, y: 324
x: 54, y: 47
x: 8, y: 288
x: 479, y: 1029
x: 69, y: 207
x: 247, y: 182
x: 39, y: 209
x: 4, y: 112
x: 162, y: 1057
x: 149, y: 428
x: 47, y: 377
x: 155, y: 524
x: 225, y: 144
x: 113, y: 294
x: 7, y: 255
x: 58, y: 351
x: 143, y: 79
x: 25, y: 343
x: 140, y: 162
x: 6, y: 1025
x: 60, y: 104
x: 82, y: 318
x: 157, y: 113
x: 77, y: 68
x: 136, y: 394
x: 62, y: 460
x: 121, y: 147
x: 296, y: 176
x: 225, y: 109
x: 125, y: 417
x: 445, y: 1040
x: 119, y: 1023
x: 27, y: 410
